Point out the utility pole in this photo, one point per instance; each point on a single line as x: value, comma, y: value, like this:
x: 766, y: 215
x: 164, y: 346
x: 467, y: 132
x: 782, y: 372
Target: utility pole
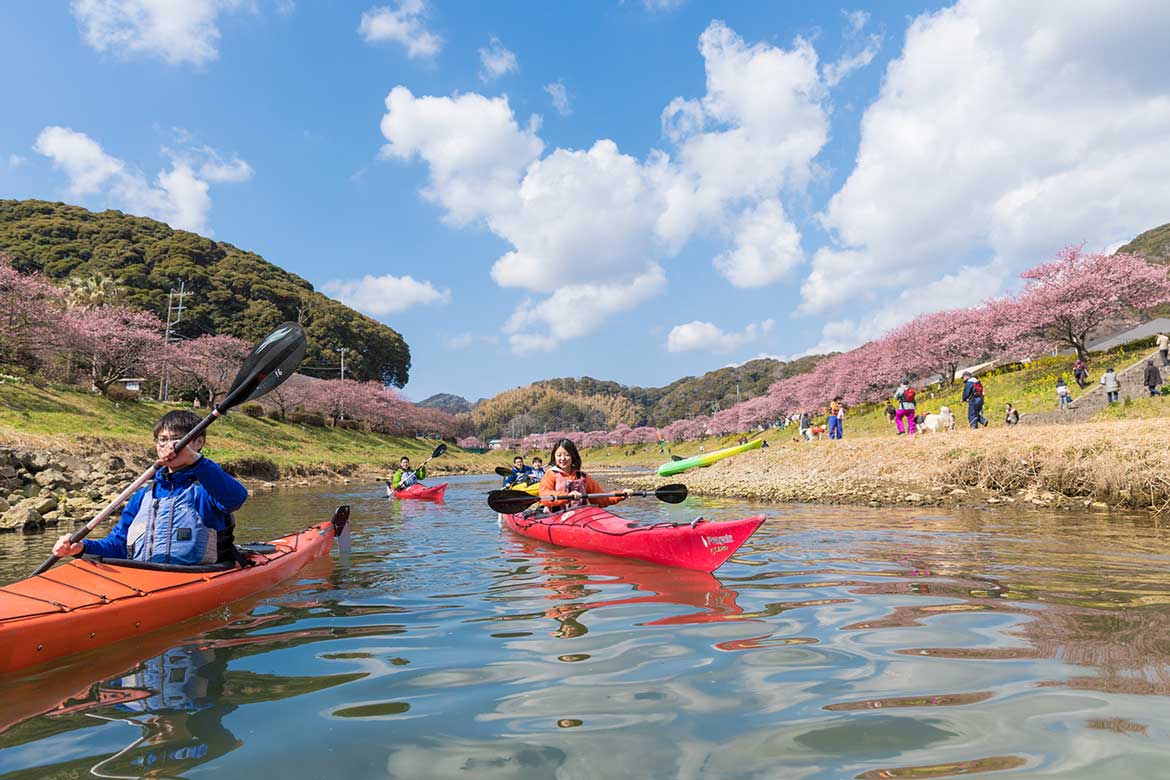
x: 737, y: 392
x: 343, y: 350
x: 176, y: 312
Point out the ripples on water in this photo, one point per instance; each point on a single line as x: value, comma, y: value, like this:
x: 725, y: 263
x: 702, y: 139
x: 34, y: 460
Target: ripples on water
x: 839, y: 642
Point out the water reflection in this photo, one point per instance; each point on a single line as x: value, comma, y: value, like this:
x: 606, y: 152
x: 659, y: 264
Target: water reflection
x: 582, y: 580
x: 838, y: 643
x: 177, y: 702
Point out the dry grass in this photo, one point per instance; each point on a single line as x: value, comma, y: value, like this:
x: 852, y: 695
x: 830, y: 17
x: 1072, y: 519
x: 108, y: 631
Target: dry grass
x: 1120, y: 463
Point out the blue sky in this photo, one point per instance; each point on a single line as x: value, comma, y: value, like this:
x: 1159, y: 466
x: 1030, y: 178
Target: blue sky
x: 630, y: 190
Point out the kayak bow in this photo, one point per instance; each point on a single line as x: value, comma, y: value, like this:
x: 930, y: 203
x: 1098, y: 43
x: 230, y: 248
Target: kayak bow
x: 89, y: 603
x: 418, y: 490
x: 701, y: 545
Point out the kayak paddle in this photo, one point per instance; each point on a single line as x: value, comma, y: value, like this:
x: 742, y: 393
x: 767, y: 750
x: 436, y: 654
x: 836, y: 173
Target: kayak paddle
x: 438, y: 451
x: 269, y: 363
x: 510, y: 502
x: 503, y: 471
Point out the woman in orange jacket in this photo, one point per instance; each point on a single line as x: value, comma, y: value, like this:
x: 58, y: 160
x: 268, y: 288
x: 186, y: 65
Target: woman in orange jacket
x: 566, y: 478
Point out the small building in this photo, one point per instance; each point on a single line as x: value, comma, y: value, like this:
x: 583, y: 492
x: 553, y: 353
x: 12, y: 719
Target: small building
x: 131, y: 384
x: 496, y: 444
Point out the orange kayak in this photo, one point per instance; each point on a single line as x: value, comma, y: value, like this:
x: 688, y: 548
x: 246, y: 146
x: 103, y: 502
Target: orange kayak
x: 84, y: 603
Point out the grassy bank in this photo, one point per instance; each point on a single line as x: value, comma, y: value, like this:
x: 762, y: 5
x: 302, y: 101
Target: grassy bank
x: 1117, y: 464
x: 74, y: 421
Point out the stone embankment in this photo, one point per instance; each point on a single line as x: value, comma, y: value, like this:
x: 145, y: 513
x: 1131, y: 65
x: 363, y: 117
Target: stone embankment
x: 40, y: 488
x: 1121, y: 465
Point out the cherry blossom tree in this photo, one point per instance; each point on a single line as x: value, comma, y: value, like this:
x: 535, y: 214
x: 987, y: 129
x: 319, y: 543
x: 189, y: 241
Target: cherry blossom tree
x: 208, y: 364
x: 29, y: 309
x: 1067, y: 300
x: 112, y: 342
x: 292, y: 394
x: 471, y: 443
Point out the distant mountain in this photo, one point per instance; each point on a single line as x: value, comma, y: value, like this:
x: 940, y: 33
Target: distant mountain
x: 228, y: 291
x: 1153, y: 244
x: 446, y: 402
x: 590, y: 404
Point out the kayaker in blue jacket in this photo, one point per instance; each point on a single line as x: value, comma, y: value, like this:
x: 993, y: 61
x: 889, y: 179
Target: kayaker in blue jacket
x: 520, y: 473
x: 183, y: 517
x: 537, y: 469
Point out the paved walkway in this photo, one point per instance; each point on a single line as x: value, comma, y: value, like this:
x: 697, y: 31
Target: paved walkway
x: 1092, y: 398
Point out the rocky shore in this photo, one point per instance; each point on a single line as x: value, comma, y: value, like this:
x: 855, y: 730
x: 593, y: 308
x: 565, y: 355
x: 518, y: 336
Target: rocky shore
x: 40, y: 489
x: 1120, y: 465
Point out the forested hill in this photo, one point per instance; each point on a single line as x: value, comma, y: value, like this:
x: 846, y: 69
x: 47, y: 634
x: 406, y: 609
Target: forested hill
x: 1154, y: 245
x: 446, y: 402
x: 228, y: 290
x: 592, y: 404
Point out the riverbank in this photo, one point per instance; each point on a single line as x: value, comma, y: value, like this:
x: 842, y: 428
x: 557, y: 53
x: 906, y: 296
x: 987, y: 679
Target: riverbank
x: 1121, y: 464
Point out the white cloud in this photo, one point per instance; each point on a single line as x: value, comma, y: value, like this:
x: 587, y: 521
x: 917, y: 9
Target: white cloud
x: 698, y: 336
x: 475, y: 149
x: 405, y: 25
x: 560, y: 97
x: 1000, y: 135
x: 754, y: 134
x: 468, y: 339
x: 861, y: 49
x: 577, y: 309
x: 964, y: 287
x: 664, y: 6
x: 215, y: 168
x: 175, y: 31
x: 591, y: 227
x: 586, y: 214
x: 382, y: 295
x: 767, y: 246
x: 15, y: 161
x: 496, y: 61
x: 179, y: 196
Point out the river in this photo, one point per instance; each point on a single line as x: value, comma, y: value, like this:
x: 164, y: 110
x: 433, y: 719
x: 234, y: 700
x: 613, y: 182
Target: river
x: 840, y: 642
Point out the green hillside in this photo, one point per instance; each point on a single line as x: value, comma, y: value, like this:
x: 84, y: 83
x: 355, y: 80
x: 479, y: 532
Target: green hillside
x: 229, y: 290
x: 586, y: 403
x: 1154, y: 245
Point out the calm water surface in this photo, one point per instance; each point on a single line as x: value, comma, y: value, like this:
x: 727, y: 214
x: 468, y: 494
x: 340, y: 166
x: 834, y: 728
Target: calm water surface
x: 839, y: 643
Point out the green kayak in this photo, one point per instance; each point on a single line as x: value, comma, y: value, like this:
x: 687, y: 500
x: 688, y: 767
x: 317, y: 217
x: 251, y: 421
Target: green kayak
x: 706, y: 459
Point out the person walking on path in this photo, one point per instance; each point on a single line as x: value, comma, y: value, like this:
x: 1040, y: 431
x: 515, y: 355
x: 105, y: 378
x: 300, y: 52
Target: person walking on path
x: 1063, y: 397
x: 904, y: 417
x: 805, y: 426
x: 973, y: 395
x: 1111, y: 384
x: 1152, y: 377
x: 836, y: 419
x: 1163, y: 342
x: 1081, y: 374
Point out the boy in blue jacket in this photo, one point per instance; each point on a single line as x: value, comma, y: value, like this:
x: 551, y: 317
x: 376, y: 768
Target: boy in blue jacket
x: 183, y: 517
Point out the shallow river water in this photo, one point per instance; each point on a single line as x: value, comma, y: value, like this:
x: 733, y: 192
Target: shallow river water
x: 840, y: 642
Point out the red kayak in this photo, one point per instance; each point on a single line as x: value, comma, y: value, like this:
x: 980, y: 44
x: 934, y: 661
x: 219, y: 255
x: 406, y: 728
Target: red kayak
x: 702, y: 545
x: 86, y: 603
x: 418, y: 490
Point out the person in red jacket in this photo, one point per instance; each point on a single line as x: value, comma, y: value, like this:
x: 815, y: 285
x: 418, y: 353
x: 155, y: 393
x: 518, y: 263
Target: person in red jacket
x: 566, y: 478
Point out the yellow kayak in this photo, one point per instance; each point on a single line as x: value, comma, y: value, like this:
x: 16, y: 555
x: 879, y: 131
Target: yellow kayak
x: 532, y: 490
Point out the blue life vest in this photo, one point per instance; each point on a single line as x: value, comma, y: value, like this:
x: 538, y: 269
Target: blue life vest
x: 170, y: 530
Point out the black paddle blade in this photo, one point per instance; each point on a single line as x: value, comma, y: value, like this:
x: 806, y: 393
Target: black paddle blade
x: 671, y: 494
x: 676, y: 458
x: 439, y: 450
x: 510, y: 502
x: 269, y: 363
x: 503, y: 471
